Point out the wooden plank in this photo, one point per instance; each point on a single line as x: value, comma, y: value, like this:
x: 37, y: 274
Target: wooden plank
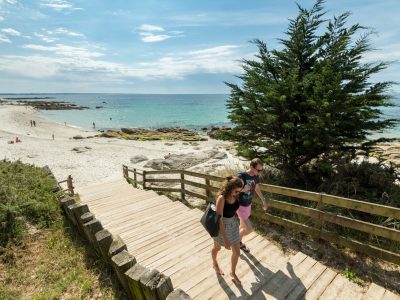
x: 209, y: 279
x: 194, y: 235
x: 390, y: 296
x: 205, y: 176
x: 320, y: 285
x: 335, y: 288
x: 371, y: 208
x: 172, y: 180
x: 119, y: 200
x: 142, y: 217
x: 334, y: 238
x: 374, y: 229
x: 291, y: 192
x: 159, y: 189
x: 187, y: 277
x: 137, y: 221
x: 158, y: 227
x: 193, y: 194
x: 250, y: 270
x: 164, y: 172
x: 306, y: 282
x: 201, y: 185
x: 375, y: 292
x: 272, y: 286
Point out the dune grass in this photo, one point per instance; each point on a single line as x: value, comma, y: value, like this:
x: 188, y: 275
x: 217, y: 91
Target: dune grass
x: 41, y: 255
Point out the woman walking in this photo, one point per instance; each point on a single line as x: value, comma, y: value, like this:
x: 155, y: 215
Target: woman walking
x: 226, y: 206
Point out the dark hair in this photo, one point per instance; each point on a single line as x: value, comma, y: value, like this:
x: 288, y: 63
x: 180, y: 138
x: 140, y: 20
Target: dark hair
x: 255, y: 162
x: 230, y: 183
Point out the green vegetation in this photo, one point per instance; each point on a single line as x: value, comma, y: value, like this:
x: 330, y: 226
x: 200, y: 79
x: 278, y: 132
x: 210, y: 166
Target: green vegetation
x: 41, y: 256
x: 310, y: 103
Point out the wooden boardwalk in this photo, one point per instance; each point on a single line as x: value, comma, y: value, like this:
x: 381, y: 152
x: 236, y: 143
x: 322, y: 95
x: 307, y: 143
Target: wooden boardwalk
x: 167, y: 236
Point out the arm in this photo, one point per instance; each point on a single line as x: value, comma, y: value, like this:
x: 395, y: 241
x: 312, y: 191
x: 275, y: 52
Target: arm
x: 220, y: 211
x: 265, y: 203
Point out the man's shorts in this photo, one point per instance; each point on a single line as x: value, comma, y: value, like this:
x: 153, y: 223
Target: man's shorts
x: 243, y: 212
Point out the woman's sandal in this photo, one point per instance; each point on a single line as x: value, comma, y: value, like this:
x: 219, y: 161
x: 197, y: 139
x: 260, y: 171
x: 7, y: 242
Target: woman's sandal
x: 244, y: 247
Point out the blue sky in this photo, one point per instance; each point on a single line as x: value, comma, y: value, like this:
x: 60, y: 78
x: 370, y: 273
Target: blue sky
x: 186, y: 46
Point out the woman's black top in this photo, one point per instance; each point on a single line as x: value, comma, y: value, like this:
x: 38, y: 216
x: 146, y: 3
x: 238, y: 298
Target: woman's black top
x: 230, y: 209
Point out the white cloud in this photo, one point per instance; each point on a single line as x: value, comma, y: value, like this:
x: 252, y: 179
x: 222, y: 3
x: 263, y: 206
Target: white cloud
x: 148, y: 27
x: 11, y: 31
x: 146, y: 32
x: 149, y: 37
x: 64, y: 50
x: 45, y: 38
x: 64, y: 31
x: 75, y: 63
x: 59, y: 5
x: 386, y: 53
x: 4, y: 39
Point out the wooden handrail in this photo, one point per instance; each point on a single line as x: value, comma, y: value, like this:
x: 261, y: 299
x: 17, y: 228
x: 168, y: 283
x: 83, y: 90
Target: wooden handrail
x: 318, y: 214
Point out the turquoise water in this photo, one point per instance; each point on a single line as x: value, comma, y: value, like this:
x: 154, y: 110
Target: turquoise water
x: 192, y: 111
x: 140, y: 110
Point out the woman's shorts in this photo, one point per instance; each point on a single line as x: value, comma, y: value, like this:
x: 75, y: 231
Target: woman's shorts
x: 231, y: 226
x: 243, y: 212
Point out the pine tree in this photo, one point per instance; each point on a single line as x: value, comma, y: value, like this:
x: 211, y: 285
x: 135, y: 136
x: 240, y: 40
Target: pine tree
x: 312, y: 100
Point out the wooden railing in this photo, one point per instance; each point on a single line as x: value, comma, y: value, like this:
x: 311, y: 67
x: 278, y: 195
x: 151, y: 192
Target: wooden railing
x: 315, y: 210
x: 70, y: 186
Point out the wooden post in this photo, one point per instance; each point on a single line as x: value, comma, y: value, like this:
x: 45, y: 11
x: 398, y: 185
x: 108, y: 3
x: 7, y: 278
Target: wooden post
x: 320, y: 206
x: 134, y: 178
x: 125, y: 171
x: 208, y: 193
x: 182, y: 186
x: 69, y: 185
x: 144, y: 180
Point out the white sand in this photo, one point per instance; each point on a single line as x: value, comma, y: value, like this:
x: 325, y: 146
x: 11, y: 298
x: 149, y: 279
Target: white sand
x: 105, y: 158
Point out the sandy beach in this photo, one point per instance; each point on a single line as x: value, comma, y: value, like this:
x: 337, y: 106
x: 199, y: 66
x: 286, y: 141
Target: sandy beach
x: 94, y: 159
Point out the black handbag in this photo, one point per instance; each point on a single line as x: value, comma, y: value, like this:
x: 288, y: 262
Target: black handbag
x: 210, y: 220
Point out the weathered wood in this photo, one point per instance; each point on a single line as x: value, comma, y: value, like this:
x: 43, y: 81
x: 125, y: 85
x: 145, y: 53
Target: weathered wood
x: 206, y: 187
x: 134, y: 178
x: 182, y: 186
x: 144, y: 180
x: 375, y: 209
x: 290, y: 192
x: 193, y: 194
x: 159, y: 189
x: 335, y: 238
x: 205, y: 176
x: 125, y: 171
x: 168, y: 236
x: 374, y: 229
x: 172, y: 180
x: 164, y: 172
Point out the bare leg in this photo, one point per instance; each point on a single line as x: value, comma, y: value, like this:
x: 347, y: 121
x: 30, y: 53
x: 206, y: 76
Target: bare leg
x: 234, y: 260
x: 245, y: 228
x: 214, y: 252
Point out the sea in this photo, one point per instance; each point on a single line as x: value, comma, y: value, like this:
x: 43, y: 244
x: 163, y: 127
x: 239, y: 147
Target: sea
x: 192, y: 111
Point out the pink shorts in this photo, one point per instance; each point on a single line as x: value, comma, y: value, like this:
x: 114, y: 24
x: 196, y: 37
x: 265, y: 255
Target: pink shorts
x: 243, y: 212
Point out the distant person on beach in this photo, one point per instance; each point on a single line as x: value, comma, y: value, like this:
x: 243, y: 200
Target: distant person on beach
x: 17, y: 140
x: 31, y: 123
x: 34, y: 123
x: 251, y: 181
x: 110, y: 119
x: 52, y: 136
x: 94, y: 125
x: 65, y: 123
x: 226, y: 206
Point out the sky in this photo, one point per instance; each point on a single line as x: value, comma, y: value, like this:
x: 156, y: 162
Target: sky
x: 164, y: 46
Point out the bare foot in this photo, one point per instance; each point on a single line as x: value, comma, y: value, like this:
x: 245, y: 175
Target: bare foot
x: 235, y: 279
x: 218, y: 270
